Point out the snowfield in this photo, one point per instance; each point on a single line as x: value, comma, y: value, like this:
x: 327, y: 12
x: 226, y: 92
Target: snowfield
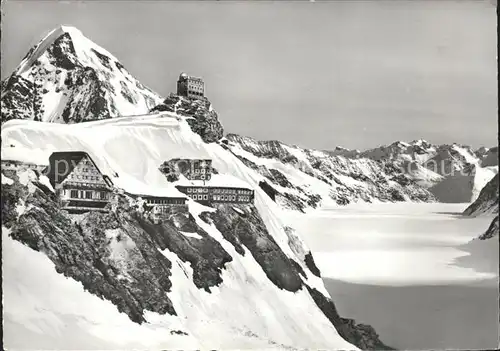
x: 246, y: 311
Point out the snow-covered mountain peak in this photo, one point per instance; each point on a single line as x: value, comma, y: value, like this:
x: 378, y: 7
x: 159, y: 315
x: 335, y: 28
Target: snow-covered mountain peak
x: 72, y: 42
x: 421, y: 142
x: 67, y: 78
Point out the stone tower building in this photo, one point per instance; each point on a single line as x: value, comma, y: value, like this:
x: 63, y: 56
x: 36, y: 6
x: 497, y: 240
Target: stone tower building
x: 191, y: 87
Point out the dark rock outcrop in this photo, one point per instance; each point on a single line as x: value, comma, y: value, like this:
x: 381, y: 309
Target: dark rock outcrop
x: 361, y: 335
x: 249, y: 231
x: 309, y: 261
x: 492, y: 231
x: 202, y: 119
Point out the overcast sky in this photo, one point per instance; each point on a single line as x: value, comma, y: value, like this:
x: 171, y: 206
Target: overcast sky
x: 352, y: 73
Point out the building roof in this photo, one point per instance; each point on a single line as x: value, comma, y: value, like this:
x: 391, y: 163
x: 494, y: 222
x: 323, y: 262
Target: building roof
x: 217, y: 180
x: 72, y: 158
x: 184, y: 76
x: 146, y: 196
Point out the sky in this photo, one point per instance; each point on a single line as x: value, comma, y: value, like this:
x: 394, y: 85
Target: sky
x: 321, y: 74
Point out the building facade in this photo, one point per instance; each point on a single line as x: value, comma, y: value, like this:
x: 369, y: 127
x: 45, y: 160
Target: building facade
x: 213, y: 195
x: 191, y: 87
x: 192, y: 169
x: 79, y: 184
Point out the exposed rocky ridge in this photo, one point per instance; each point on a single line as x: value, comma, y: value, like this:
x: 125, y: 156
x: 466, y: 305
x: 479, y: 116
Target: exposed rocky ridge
x: 117, y: 255
x: 492, y: 231
x: 487, y: 202
x: 338, y: 178
x: 202, y: 118
x: 249, y: 231
x: 363, y: 335
x: 66, y: 78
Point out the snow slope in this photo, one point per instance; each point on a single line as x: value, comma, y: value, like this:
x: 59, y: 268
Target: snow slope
x: 67, y: 78
x: 129, y: 151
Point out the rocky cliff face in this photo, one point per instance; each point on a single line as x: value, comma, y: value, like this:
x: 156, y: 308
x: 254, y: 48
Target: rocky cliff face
x: 119, y: 256
x: 202, y: 118
x: 66, y: 78
x: 492, y: 231
x: 303, y: 178
x: 487, y: 202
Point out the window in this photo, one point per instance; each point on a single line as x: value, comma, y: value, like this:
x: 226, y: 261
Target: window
x: 88, y: 194
x: 202, y: 176
x: 205, y: 190
x: 205, y: 197
x: 189, y: 190
x: 197, y: 171
x: 74, y: 194
x: 203, y: 171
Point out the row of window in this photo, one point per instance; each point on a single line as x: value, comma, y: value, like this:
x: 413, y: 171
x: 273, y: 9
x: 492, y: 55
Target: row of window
x: 231, y: 198
x: 232, y: 191
x: 199, y: 197
x: 220, y: 191
x: 86, y: 162
x: 190, y: 92
x: 89, y: 170
x: 88, y: 194
x: 198, y: 176
x: 221, y: 197
x: 84, y: 177
x: 202, y: 170
x: 225, y: 197
x: 197, y: 190
x: 165, y: 201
